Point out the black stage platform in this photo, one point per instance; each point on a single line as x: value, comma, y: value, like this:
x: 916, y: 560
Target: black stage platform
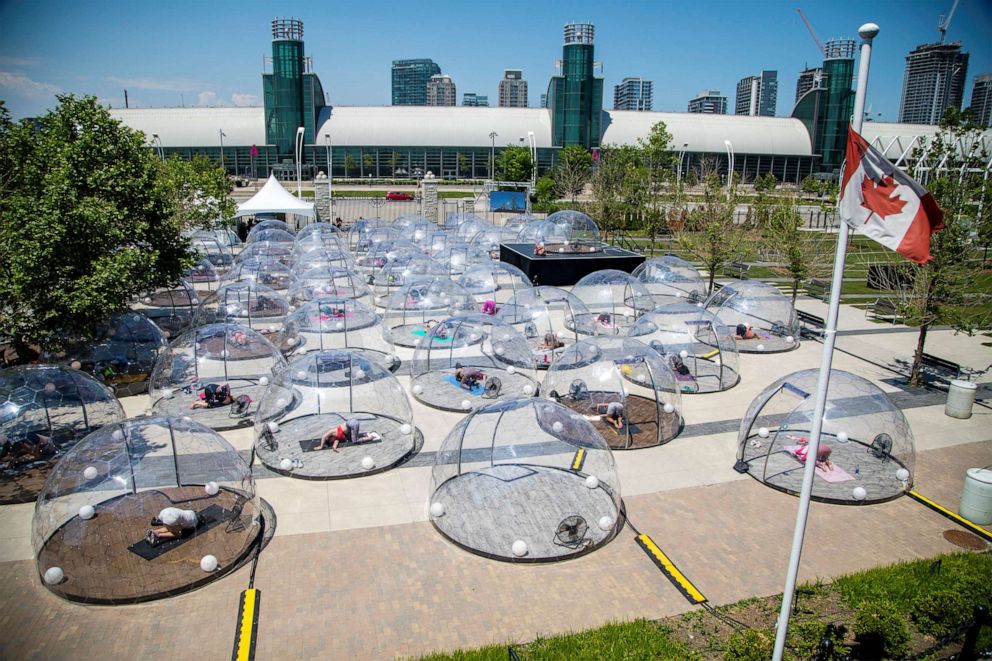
x: 557, y: 269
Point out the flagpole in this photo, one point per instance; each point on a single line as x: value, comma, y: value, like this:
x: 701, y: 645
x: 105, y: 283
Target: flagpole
x: 867, y: 32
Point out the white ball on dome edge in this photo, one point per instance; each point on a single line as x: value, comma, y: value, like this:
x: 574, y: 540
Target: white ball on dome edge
x: 605, y: 522
x: 669, y: 408
x: 86, y: 512
x: 859, y: 493
x: 519, y: 548
x: 437, y: 509
x: 54, y: 575
x: 286, y: 464
x: 117, y: 435
x: 683, y: 354
x: 902, y: 475
x: 763, y: 432
x: 528, y: 389
x: 790, y: 339
x: 417, y: 389
x: 466, y: 405
x: 208, y: 563
x: 557, y: 427
x: 760, y: 347
x: 560, y: 334
x: 842, y: 437
x: 211, y: 488
x: 511, y: 370
x: 89, y: 472
x: 368, y: 463
x: 592, y: 482
x: 75, y: 364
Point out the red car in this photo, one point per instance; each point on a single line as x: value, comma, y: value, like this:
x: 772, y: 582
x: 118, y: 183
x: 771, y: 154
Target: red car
x: 399, y: 195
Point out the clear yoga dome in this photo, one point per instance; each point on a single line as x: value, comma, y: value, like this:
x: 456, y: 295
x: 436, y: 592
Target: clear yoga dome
x: 171, y: 308
x: 314, y: 253
x: 525, y: 480
x: 204, y: 276
x: 267, y: 250
x: 269, y: 272
x: 270, y: 224
x: 384, y: 252
x: 44, y: 411
x: 467, y: 361
x: 671, y: 280
x: 215, y: 248
x: 493, y: 281
x: 550, y: 319
x: 581, y: 231
x: 359, y: 232
x: 250, y: 304
x: 315, y: 396
x: 320, y: 232
x: 457, y: 257
x: 123, y: 355
x: 623, y: 387
x: 761, y: 317
x: 413, y: 309
x: 339, y: 324
x: 214, y: 374
x: 699, y: 347
x: 489, y: 239
x: 399, y: 272
x: 329, y: 281
x: 144, y: 509
x: 867, y: 453
x: 614, y: 299
x: 545, y: 233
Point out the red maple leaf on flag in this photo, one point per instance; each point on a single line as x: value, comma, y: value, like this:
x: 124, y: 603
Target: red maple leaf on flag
x: 879, y: 199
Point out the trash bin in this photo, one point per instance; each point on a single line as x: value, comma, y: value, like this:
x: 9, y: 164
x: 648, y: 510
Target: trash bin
x: 960, y: 399
x: 976, y: 497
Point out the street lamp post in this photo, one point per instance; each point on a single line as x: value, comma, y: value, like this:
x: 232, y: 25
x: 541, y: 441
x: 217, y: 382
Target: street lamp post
x: 300, y: 132
x: 330, y: 176
x: 533, y: 157
x: 492, y: 156
x: 157, y: 141
x: 682, y: 151
x: 222, y: 136
x: 730, y: 170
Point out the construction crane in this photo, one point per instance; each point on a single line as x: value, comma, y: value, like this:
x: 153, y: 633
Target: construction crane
x: 809, y: 27
x: 943, y: 23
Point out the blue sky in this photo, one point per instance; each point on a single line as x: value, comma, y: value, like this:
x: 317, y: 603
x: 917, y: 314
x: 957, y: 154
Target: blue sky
x: 210, y: 52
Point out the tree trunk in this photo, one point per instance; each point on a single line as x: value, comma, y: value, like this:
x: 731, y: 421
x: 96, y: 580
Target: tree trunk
x: 712, y: 276
x: 795, y: 291
x: 916, y: 373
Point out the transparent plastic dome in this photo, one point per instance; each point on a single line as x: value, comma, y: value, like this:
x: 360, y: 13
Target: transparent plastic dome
x: 330, y: 281
x: 250, y: 304
x: 453, y: 221
x: 272, y: 235
x: 312, y: 255
x: 267, y: 223
x: 544, y: 232
x: 323, y: 232
x: 269, y: 272
x: 470, y: 227
x: 762, y: 318
x: 590, y: 376
x: 494, y: 350
x: 614, y: 298
x: 435, y: 242
x: 44, y: 411
x: 671, y: 280
x: 525, y: 480
x: 456, y: 257
x: 374, y: 236
x: 339, y: 324
x: 320, y: 391
x: 359, y: 231
x: 400, y: 272
x: 412, y: 306
x: 493, y: 281
x: 382, y: 253
x: 579, y: 228
x: 202, y: 360
x: 227, y: 237
x: 550, y: 319
x: 92, y: 521
x: 267, y: 251
x: 418, y: 229
x: 214, y: 248
x: 867, y: 453
x: 490, y: 238
x: 204, y: 276
x: 123, y: 355
x: 171, y: 308
x: 517, y: 222
x: 699, y: 347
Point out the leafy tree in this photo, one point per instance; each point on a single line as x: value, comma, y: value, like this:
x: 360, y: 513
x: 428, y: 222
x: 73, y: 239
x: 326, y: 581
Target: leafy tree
x: 349, y: 164
x: 86, y: 223
x: 711, y: 234
x: 544, y: 191
x: 464, y: 165
x: 803, y: 253
x: 200, y: 191
x: 394, y: 160
x: 765, y: 183
x: 514, y: 163
x: 368, y: 163
x: 617, y: 186
x: 572, y: 172
x: 658, y: 160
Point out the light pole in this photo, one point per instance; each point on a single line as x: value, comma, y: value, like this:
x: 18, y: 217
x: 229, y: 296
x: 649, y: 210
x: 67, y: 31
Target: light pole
x: 157, y: 142
x: 730, y: 169
x: 330, y: 170
x: 222, y: 136
x: 685, y: 146
x: 300, y: 132
x: 533, y: 157
x: 492, y: 156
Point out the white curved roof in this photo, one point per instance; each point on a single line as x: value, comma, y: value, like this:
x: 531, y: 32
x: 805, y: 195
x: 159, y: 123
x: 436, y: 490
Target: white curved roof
x: 778, y: 136
x: 197, y: 127
x: 433, y: 126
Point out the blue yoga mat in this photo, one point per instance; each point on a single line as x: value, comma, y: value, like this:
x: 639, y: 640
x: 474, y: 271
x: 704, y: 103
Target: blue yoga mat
x: 422, y: 333
x: 477, y: 390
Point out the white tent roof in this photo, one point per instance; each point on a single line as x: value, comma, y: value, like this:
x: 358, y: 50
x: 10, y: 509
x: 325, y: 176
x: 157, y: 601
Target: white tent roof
x: 273, y: 198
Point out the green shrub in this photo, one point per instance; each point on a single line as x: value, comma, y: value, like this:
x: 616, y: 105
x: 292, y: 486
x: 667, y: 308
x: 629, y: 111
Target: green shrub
x: 881, y: 631
x: 750, y: 645
x: 938, y: 614
x: 804, y: 638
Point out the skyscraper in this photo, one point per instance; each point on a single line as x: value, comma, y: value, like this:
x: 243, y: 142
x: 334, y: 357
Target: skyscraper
x: 709, y: 102
x: 808, y: 79
x: 513, y: 89
x: 410, y: 78
x: 981, y: 99
x: 441, y: 91
x: 292, y: 95
x: 757, y: 95
x: 476, y: 100
x: 825, y: 109
x: 935, y: 79
x: 633, y: 94
x: 575, y: 94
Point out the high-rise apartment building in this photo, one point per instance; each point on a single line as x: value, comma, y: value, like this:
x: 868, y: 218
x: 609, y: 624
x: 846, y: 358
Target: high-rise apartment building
x: 441, y: 91
x: 757, y: 95
x: 809, y: 78
x: 633, y: 94
x: 934, y: 80
x: 475, y: 100
x: 513, y: 89
x: 575, y: 94
x: 544, y: 100
x: 981, y: 100
x: 709, y: 102
x: 410, y: 78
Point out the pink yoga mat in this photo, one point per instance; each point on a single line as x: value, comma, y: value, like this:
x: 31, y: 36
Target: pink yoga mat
x: 838, y: 474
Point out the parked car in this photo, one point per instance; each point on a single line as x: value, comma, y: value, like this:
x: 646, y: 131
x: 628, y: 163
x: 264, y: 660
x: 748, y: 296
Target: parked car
x: 398, y: 195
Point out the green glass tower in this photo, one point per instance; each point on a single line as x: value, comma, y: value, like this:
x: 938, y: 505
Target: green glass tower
x: 292, y: 95
x: 575, y: 96
x: 827, y: 107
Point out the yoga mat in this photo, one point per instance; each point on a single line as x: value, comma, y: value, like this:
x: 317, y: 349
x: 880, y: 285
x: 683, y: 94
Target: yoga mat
x: 210, y: 517
x: 422, y: 333
x: 310, y: 444
x: 477, y: 390
x: 838, y: 474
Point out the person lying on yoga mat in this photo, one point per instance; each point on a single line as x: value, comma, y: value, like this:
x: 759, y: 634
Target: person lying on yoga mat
x: 822, y: 456
x: 605, y: 320
x: 679, y: 366
x: 468, y: 377
x: 213, y: 395
x: 350, y: 431
x: 613, y: 413
x: 551, y: 342
x: 441, y: 333
x: 745, y: 332
x: 171, y: 523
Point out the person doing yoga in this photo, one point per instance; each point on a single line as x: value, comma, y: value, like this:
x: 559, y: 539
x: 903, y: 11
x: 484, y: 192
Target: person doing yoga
x: 350, y: 431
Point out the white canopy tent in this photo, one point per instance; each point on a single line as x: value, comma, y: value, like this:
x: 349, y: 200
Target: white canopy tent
x: 273, y: 198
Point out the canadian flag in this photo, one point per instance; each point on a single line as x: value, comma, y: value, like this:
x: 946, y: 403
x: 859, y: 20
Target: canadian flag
x: 885, y: 204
